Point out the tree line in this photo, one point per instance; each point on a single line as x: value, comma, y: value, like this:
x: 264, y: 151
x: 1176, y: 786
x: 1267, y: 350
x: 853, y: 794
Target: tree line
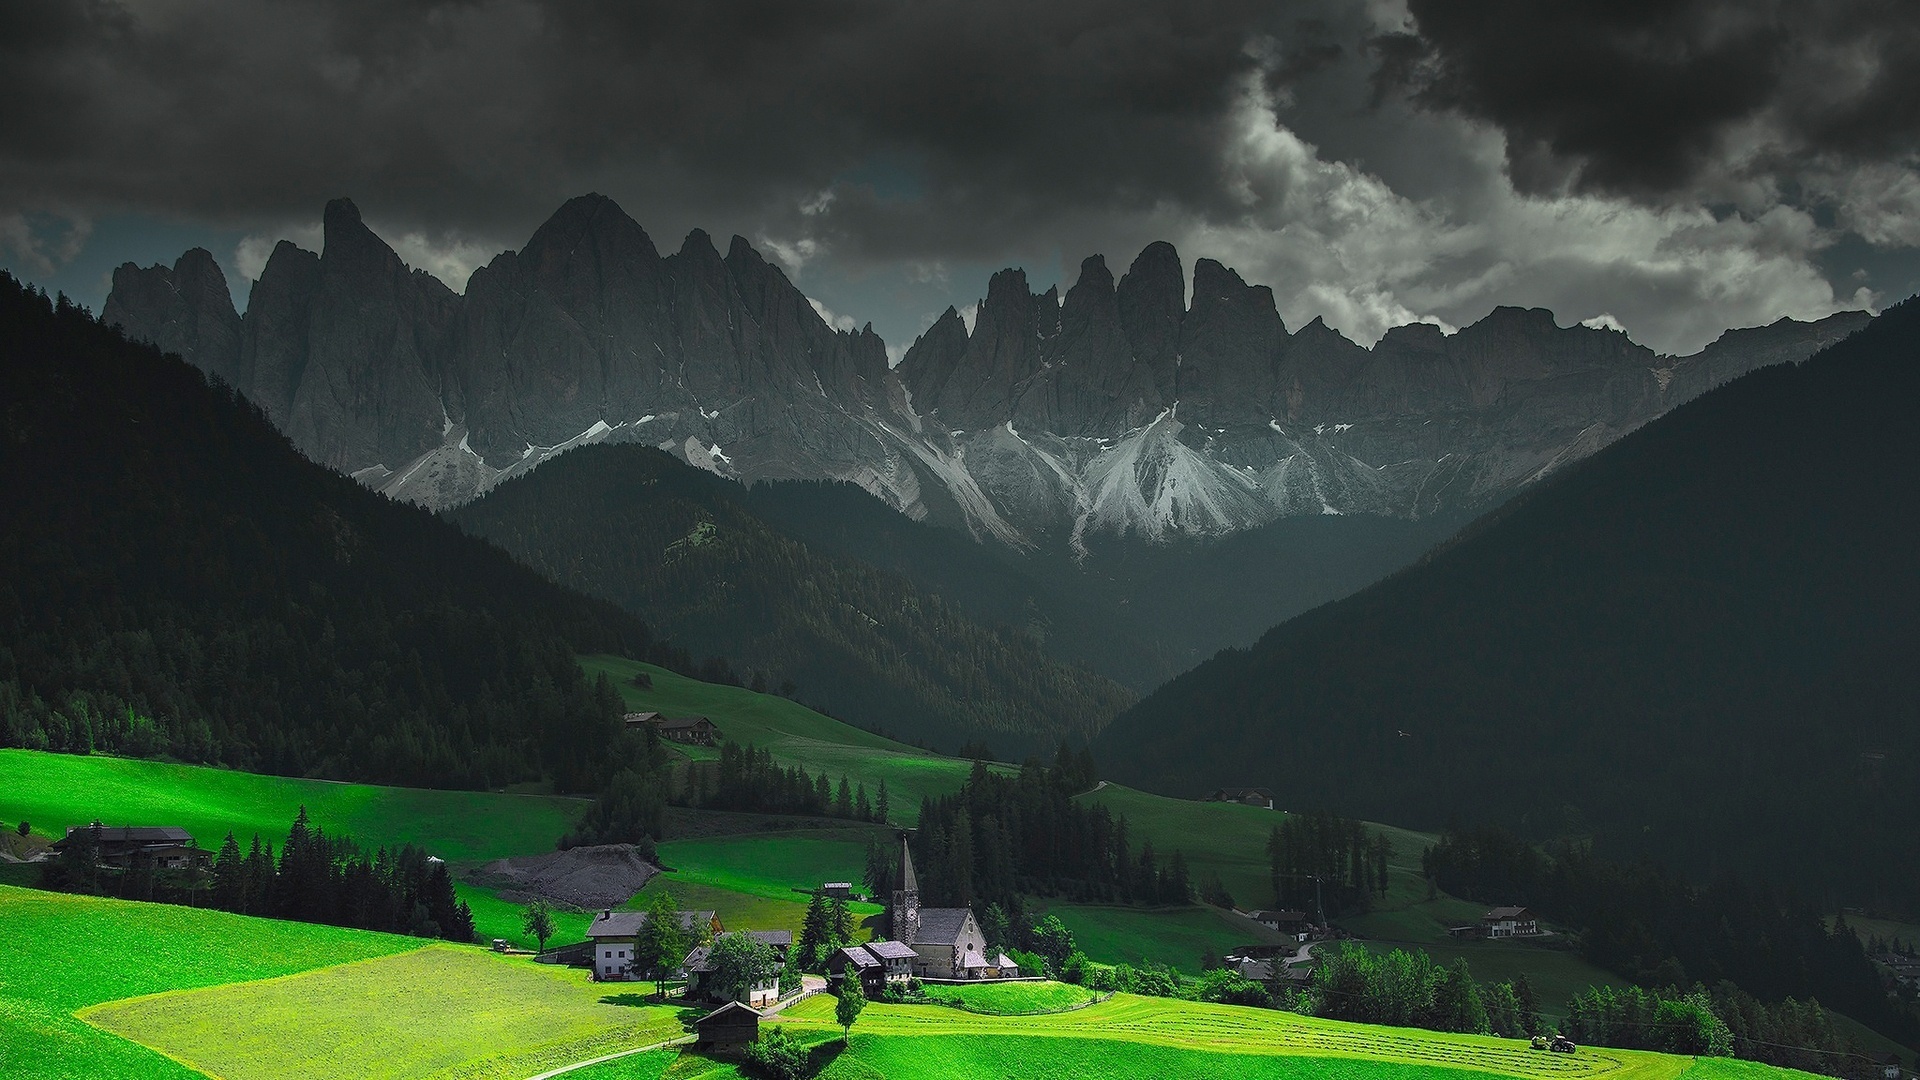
x: 1655, y: 928
x: 1320, y: 857
x: 315, y: 877
x: 1003, y: 838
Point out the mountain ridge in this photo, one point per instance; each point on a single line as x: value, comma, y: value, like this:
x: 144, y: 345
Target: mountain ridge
x: 1116, y: 408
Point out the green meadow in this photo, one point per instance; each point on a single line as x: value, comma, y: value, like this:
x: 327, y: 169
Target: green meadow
x: 60, y: 953
x: 795, y: 734
x: 1011, y: 999
x: 52, y: 791
x: 440, y: 1011
x: 1178, y: 937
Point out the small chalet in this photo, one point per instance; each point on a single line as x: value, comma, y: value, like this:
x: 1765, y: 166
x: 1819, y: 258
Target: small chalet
x: 1245, y: 796
x: 855, y: 962
x: 692, y: 730
x: 1294, y: 923
x: 163, y: 847
x: 732, y: 1024
x: 837, y: 890
x: 613, y: 934
x: 1506, y: 922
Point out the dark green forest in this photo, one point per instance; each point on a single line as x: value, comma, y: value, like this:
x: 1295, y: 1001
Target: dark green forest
x: 1136, y: 612
x: 175, y: 579
x: 632, y: 525
x: 1696, y: 644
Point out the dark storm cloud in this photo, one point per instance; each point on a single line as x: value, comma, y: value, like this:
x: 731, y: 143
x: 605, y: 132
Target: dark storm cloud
x: 484, y: 116
x: 1652, y: 97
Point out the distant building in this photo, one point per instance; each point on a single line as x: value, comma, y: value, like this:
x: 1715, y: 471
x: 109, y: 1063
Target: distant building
x: 613, y: 934
x: 163, y: 847
x: 1507, y: 922
x: 1287, y: 922
x: 837, y: 890
x: 691, y: 730
x: 1246, y: 796
x: 732, y: 1024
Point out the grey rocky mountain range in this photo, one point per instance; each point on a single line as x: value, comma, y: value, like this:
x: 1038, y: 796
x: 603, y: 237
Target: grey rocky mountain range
x: 1119, y: 409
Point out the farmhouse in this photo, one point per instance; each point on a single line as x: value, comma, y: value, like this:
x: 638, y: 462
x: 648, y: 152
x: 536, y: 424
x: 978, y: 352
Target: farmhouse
x: 700, y: 967
x: 732, y: 1024
x: 946, y: 942
x: 1246, y: 796
x: 837, y: 890
x: 612, y: 936
x: 692, y: 730
x: 164, y: 847
x: 1506, y: 922
x: 1287, y: 922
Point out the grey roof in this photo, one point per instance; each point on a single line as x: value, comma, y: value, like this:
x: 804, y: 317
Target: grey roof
x: 132, y: 834
x: 860, y: 957
x: 731, y: 1007
x: 941, y: 925
x: 641, y: 717
x: 778, y: 938
x: 891, y: 950
x: 1505, y: 913
x: 1257, y: 970
x: 677, y: 723
x: 1279, y: 916
x: 1003, y: 961
x: 626, y: 924
x: 697, y: 959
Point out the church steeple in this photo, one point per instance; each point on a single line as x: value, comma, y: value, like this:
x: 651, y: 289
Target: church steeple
x: 905, y: 912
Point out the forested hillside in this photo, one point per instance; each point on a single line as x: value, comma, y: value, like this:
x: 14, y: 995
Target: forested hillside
x: 1696, y: 644
x: 1137, y: 612
x: 175, y: 579
x: 683, y: 548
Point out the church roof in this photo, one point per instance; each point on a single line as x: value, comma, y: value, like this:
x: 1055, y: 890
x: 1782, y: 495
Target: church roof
x: 908, y: 882
x: 941, y: 925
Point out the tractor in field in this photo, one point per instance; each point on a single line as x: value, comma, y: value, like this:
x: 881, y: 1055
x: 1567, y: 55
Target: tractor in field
x: 1561, y: 1045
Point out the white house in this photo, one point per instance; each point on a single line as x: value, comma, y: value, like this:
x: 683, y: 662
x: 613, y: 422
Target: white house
x: 613, y: 935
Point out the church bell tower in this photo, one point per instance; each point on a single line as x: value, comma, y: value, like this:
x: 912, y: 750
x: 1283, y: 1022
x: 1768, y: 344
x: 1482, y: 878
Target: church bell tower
x: 905, y: 912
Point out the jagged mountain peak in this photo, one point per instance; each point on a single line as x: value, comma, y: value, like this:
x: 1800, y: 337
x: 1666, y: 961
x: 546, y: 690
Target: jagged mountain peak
x: 1013, y: 428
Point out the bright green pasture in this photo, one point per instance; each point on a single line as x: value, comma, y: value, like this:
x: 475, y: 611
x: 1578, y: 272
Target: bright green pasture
x: 737, y: 910
x: 59, y: 953
x: 1012, y: 998
x: 444, y: 1011
x: 1175, y: 936
x: 56, y: 790
x: 794, y: 733
x: 762, y: 870
x: 1129, y: 1030
x: 497, y: 918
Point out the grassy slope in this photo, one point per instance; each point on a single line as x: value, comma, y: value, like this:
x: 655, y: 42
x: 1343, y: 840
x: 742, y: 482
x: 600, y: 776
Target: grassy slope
x: 442, y: 1011
x: 750, y: 880
x: 55, y: 790
x: 1129, y: 1036
x: 1012, y: 999
x: 1175, y: 936
x: 795, y: 734
x: 61, y: 953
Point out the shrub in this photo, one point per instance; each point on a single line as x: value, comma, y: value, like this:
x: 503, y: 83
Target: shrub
x: 777, y: 1056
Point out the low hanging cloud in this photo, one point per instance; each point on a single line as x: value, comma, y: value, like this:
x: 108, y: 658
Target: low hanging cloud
x: 1680, y: 168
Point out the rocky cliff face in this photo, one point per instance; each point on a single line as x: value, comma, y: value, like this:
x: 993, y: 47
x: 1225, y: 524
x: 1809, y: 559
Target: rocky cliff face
x: 1120, y: 408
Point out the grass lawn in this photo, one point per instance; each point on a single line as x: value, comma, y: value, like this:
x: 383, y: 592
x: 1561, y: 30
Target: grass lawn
x: 52, y: 791
x: 737, y: 910
x: 1132, y: 1036
x: 497, y: 918
x: 1011, y: 999
x: 794, y: 733
x: 651, y: 1065
x: 60, y: 953
x: 1175, y: 936
x: 444, y: 1011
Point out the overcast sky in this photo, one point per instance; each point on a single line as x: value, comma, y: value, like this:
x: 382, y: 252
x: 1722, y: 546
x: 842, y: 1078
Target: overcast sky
x: 1674, y: 167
